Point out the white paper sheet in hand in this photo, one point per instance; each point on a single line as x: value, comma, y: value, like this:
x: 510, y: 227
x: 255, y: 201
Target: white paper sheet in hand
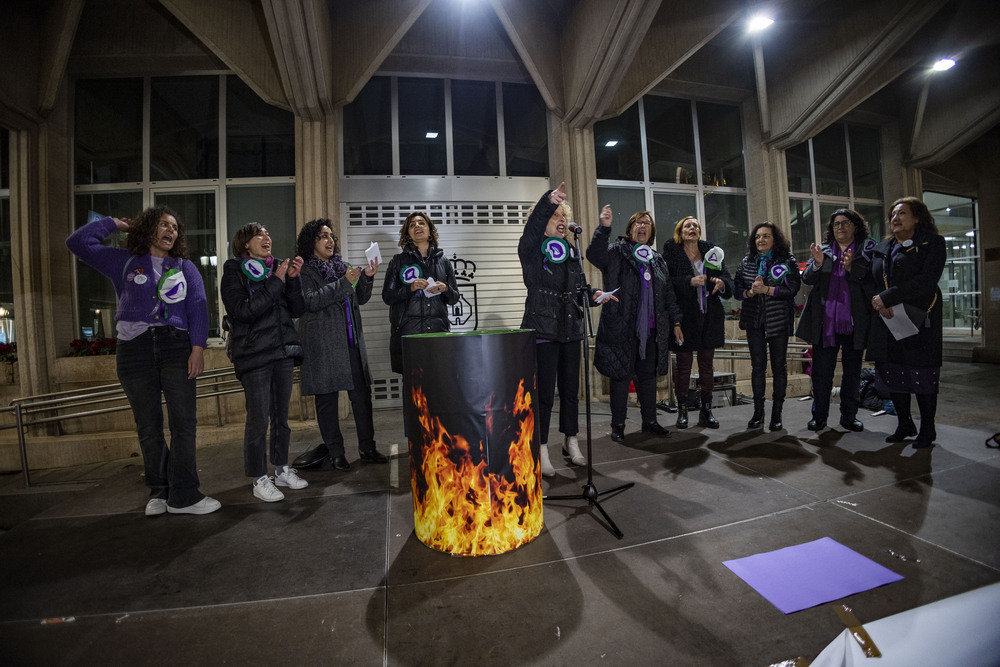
x: 900, y: 326
x: 373, y: 254
x: 605, y: 296
x: 430, y: 283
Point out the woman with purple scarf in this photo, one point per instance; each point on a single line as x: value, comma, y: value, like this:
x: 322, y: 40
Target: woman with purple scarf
x: 333, y: 345
x: 837, y: 314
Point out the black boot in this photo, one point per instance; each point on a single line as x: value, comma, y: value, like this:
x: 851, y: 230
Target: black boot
x: 775, y: 424
x: 682, y: 413
x: 758, y: 414
x: 928, y: 406
x: 705, y: 417
x: 905, y: 428
x: 618, y: 432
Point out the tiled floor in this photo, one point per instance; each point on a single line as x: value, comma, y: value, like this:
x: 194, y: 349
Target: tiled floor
x: 335, y: 575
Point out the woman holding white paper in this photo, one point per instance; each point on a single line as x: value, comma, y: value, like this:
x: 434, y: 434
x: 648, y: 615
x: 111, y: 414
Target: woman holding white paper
x: 333, y: 345
x: 701, y: 281
x: 907, y: 266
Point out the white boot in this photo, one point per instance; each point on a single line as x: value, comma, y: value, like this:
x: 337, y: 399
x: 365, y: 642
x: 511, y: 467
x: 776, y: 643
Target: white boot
x: 547, y: 469
x: 571, y: 450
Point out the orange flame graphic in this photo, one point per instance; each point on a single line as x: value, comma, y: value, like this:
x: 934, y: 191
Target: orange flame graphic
x: 459, y: 507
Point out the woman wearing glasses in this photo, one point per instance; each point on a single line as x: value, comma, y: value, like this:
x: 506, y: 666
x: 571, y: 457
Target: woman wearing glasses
x: 162, y: 332
x: 837, y: 314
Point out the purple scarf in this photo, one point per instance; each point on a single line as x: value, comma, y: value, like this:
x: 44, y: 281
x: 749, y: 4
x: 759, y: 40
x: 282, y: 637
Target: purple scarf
x: 333, y: 270
x: 645, y: 320
x: 837, y: 316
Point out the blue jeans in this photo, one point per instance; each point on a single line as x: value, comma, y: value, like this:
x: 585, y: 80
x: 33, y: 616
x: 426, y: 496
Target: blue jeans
x: 267, y: 391
x: 152, y: 364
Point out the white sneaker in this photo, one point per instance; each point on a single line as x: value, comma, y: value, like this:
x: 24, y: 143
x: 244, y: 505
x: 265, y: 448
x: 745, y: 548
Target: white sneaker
x: 286, y: 476
x: 571, y: 450
x: 156, y: 507
x: 204, y: 506
x: 265, y: 489
x: 547, y: 469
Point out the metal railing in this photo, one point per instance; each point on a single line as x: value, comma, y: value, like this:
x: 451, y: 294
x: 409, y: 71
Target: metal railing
x: 38, y: 410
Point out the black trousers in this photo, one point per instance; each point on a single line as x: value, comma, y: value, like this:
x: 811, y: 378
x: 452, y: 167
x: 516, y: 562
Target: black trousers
x: 759, y: 347
x: 361, y: 405
x: 824, y: 366
x: 558, y: 362
x: 644, y: 374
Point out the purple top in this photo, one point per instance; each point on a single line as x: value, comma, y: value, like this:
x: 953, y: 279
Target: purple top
x: 137, y: 299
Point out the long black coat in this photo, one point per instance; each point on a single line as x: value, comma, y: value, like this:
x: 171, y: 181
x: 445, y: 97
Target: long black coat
x: 913, y: 279
x: 261, y: 314
x: 702, y: 331
x: 413, y: 313
x: 861, y: 287
x: 614, y: 354
x: 779, y: 310
x: 554, y: 306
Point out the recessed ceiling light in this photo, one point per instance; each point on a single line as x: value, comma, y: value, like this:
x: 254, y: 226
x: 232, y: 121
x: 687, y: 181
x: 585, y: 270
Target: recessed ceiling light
x: 612, y: 143
x: 759, y: 22
x: 944, y: 64
x: 431, y: 135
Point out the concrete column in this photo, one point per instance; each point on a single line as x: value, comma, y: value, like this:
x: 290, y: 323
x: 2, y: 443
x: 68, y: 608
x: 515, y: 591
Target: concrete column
x: 989, y: 245
x: 317, y: 169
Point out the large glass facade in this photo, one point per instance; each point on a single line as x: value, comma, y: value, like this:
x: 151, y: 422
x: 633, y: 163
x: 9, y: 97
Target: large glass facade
x: 526, y: 136
x: 669, y: 141
x: 186, y: 118
x: 957, y: 221
x: 422, y: 135
x: 474, y: 128
x: 368, y: 130
x: 618, y: 145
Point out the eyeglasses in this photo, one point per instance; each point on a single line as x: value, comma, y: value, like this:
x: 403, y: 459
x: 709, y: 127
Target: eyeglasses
x: 642, y: 223
x: 842, y: 223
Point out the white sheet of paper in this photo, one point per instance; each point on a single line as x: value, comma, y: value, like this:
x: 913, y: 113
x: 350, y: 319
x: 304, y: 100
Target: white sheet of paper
x: 373, y: 253
x: 605, y: 295
x: 900, y: 325
x: 430, y: 283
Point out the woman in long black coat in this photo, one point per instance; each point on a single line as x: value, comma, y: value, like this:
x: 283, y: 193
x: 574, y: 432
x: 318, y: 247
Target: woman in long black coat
x: 633, y: 339
x: 700, y: 288
x: 767, y: 281
x: 907, y: 267
x: 837, y: 315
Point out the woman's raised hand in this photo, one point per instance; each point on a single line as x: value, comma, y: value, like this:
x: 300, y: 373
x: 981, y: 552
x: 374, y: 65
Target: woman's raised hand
x: 281, y: 270
x: 817, y: 254
x: 606, y: 215
x: 122, y: 224
x: 558, y: 195
x: 295, y: 267
x: 846, y: 258
x: 372, y: 268
x: 353, y: 273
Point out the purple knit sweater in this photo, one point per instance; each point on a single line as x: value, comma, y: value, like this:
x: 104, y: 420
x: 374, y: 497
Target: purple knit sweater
x: 137, y: 302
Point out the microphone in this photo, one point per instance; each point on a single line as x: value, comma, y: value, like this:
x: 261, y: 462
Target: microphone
x: 575, y: 228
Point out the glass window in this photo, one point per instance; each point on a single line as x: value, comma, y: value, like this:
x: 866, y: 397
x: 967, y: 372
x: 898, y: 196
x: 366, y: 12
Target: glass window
x: 669, y: 207
x: 260, y: 138
x: 526, y: 136
x: 624, y: 202
x: 866, y: 162
x: 721, y: 137
x: 474, y: 128
x: 875, y: 217
x: 108, y: 131
x: 830, y: 153
x: 95, y: 295
x: 803, y: 225
x: 422, y: 147
x: 799, y: 171
x: 196, y: 211
x: 618, y: 146
x: 184, y: 128
x: 272, y: 206
x: 727, y: 225
x: 368, y: 130
x: 669, y: 140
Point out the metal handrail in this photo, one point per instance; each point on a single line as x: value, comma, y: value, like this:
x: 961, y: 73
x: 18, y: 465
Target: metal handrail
x: 210, y: 384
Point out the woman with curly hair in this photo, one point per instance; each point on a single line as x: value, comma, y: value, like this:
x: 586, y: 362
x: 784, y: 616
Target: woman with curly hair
x: 837, y: 314
x: 767, y: 281
x: 333, y: 344
x: 162, y: 332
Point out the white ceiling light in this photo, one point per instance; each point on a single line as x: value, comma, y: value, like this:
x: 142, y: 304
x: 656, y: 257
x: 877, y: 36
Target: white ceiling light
x: 759, y: 22
x: 612, y: 143
x: 944, y: 64
x: 431, y: 135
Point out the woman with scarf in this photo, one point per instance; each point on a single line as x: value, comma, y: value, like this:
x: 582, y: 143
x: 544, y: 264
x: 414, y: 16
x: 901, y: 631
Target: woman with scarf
x: 837, y: 315
x: 261, y: 295
x: 550, y: 269
x: 907, y: 267
x: 333, y: 345
x: 633, y: 339
x: 160, y: 348
x: 700, y: 287
x: 419, y: 287
x: 767, y: 281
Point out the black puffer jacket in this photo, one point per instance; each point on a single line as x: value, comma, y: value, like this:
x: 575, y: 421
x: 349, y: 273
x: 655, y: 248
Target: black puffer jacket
x: 775, y: 314
x: 614, y: 354
x: 411, y: 312
x: 860, y: 286
x: 554, y: 306
x: 261, y: 317
x: 702, y: 331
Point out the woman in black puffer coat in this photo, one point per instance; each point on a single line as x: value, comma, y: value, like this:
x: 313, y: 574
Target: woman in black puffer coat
x: 633, y: 339
x: 767, y: 281
x: 700, y: 289
x: 416, y: 305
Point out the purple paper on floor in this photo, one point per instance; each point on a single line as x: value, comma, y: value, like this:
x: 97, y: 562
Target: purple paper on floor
x: 805, y: 575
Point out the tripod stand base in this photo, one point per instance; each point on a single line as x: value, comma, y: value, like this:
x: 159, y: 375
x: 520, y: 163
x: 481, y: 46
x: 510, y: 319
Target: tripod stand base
x: 592, y: 495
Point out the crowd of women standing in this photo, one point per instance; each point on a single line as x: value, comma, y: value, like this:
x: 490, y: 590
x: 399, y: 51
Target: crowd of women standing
x: 880, y: 296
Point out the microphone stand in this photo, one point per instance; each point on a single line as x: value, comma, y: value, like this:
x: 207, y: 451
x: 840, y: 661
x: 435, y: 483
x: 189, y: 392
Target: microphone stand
x: 590, y: 492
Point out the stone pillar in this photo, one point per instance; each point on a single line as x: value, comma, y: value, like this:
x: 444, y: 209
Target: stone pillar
x: 317, y: 170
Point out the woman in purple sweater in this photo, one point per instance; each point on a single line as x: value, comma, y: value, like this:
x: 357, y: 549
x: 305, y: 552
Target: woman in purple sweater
x: 162, y: 331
